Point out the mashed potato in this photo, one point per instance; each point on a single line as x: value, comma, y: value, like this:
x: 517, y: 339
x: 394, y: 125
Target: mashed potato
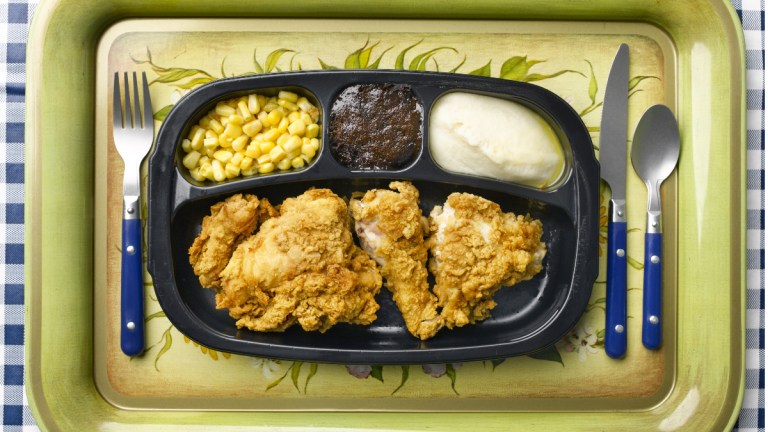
x: 492, y: 137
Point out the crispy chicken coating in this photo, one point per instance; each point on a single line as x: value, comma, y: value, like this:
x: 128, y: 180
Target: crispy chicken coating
x: 229, y: 223
x: 301, y: 267
x: 391, y: 229
x: 476, y: 249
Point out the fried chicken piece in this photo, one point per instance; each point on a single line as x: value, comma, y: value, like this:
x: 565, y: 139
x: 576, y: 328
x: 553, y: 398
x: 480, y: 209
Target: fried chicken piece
x: 301, y: 267
x: 391, y: 229
x: 476, y: 249
x: 230, y: 222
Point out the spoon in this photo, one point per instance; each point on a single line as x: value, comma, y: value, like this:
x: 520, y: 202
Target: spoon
x: 655, y: 150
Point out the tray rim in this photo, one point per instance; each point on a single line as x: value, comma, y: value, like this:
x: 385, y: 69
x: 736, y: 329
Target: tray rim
x: 51, y: 18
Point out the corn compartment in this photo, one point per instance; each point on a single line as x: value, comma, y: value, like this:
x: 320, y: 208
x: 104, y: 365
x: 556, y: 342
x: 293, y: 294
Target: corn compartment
x: 260, y: 132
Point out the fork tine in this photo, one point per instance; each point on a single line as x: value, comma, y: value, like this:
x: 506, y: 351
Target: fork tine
x: 117, y: 106
x: 128, y: 115
x: 148, y: 114
x: 136, y: 105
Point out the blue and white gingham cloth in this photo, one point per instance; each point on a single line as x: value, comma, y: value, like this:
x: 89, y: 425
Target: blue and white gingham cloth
x: 14, y: 21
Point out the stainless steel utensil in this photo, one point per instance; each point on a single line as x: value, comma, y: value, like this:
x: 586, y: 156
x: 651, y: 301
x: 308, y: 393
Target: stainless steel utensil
x: 613, y: 169
x: 655, y: 150
x: 133, y: 135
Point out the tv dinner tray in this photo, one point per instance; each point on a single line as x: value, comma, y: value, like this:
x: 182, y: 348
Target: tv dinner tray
x: 687, y: 54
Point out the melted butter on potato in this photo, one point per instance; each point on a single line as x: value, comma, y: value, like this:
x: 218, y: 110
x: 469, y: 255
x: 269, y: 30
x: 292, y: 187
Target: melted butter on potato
x: 492, y: 137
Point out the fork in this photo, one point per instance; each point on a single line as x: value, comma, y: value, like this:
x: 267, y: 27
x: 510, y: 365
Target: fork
x: 133, y: 135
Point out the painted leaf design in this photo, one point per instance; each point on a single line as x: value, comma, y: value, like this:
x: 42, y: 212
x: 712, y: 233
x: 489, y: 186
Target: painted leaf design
x: 277, y: 382
x: 539, y: 77
x: 403, y: 377
x: 256, y: 64
x: 483, y: 71
x: 514, y: 68
x: 175, y: 74
x: 166, y: 346
x: 365, y: 54
x: 162, y: 113
x: 295, y: 372
x: 638, y: 79
x: 592, y: 89
x: 377, y: 372
x: 158, y: 314
x: 600, y: 334
x: 550, y: 354
x: 420, y: 61
x: 400, y: 60
x: 459, y: 65
x: 213, y: 354
x: 312, y: 372
x: 325, y: 66
x: 634, y: 263
x: 194, y: 83
x: 223, y: 73
x: 451, y: 373
x: 273, y: 58
x: 375, y: 64
x: 497, y: 362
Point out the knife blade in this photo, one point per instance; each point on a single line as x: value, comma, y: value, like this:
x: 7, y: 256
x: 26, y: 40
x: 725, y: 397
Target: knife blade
x: 613, y: 169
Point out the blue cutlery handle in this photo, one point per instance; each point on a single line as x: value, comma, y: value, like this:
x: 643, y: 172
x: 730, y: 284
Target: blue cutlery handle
x: 652, y: 292
x: 616, y: 291
x: 131, y: 290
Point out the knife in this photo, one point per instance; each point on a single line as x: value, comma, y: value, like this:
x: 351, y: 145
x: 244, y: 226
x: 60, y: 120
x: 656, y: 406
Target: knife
x: 613, y: 169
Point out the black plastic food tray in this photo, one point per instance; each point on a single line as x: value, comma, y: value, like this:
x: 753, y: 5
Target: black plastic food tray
x: 530, y: 315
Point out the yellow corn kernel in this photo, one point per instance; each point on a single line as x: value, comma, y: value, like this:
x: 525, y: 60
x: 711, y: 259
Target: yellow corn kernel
x: 206, y: 171
x: 253, y: 169
x: 308, y: 151
x: 294, y: 153
x: 293, y: 143
x: 240, y: 143
x: 186, y: 145
x: 304, y: 104
x: 284, y: 164
x: 232, y: 131
x: 246, y: 163
x: 205, y: 121
x: 262, y: 100
x: 209, y: 151
x: 266, y: 146
x: 297, y: 162
x: 286, y: 95
x: 272, y: 135
x: 211, y: 142
x: 277, y: 154
x: 218, y: 171
x: 263, y: 159
x: 195, y: 173
x: 204, y: 160
x: 264, y: 119
x: 232, y: 103
x: 252, y: 128
x: 231, y: 171
x: 315, y: 143
x: 225, y: 141
x: 305, y: 141
x: 313, y: 130
x: 224, y: 110
x: 197, y: 139
x: 266, y: 168
x: 245, y: 113
x: 293, y: 116
x: 237, y: 158
x: 288, y: 105
x: 190, y: 159
x: 253, y: 104
x: 210, y: 134
x: 283, y: 126
x: 236, y: 120
x: 216, y: 126
x: 305, y: 118
x: 224, y: 121
x: 281, y: 140
x: 192, y: 131
x: 223, y: 156
x: 270, y: 106
x: 274, y: 117
x: 297, y: 128
x: 253, y: 151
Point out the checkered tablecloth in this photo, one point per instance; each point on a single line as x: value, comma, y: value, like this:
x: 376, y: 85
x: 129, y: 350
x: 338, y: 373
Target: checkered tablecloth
x: 14, y: 21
